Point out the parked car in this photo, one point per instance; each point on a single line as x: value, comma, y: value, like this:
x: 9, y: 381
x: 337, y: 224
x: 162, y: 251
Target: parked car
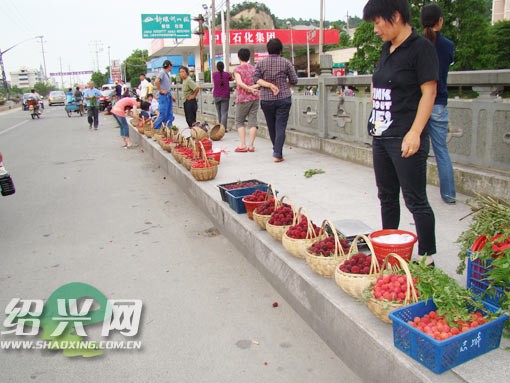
x: 108, y: 87
x: 57, y: 97
x: 105, y: 101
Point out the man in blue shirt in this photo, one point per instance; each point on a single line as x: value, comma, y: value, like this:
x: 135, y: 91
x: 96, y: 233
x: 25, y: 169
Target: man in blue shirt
x: 165, y: 98
x: 91, y: 96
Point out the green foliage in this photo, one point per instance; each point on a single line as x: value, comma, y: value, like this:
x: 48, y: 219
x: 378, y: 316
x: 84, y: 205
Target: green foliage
x: 136, y: 64
x: 499, y: 38
x: 453, y: 301
x: 43, y: 88
x: 99, y: 79
x: 490, y: 217
x: 310, y: 172
x: 369, y: 49
x: 240, y: 23
x: 345, y: 40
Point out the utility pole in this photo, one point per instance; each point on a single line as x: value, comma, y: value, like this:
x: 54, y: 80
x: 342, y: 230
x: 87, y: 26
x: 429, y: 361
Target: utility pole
x: 4, y: 78
x: 44, y: 58
x: 200, y: 33
x: 227, y: 37
x: 97, y: 45
x: 61, y: 74
x: 321, y: 27
x: 213, y: 38
x: 109, y: 63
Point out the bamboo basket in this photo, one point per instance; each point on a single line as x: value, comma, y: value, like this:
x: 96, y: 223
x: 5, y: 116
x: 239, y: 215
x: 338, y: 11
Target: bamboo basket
x: 355, y: 284
x: 217, y: 132
x: 381, y: 308
x: 148, y: 129
x: 262, y: 219
x: 208, y: 173
x: 325, y: 266
x: 198, y: 133
x: 277, y: 231
x: 134, y: 121
x: 297, y: 247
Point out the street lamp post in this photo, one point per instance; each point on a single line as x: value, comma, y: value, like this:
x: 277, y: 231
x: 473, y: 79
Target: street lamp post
x: 208, y: 19
x: 4, y: 77
x: 291, y: 41
x: 310, y: 35
x: 44, y: 58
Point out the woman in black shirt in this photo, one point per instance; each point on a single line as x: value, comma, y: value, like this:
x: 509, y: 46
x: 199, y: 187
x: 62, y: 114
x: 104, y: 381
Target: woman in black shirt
x: 403, y: 93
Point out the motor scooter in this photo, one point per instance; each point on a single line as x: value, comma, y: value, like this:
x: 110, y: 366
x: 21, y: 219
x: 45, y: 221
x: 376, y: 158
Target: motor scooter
x: 34, y: 108
x: 6, y: 183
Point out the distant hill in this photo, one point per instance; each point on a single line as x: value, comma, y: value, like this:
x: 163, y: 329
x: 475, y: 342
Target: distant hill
x: 252, y: 18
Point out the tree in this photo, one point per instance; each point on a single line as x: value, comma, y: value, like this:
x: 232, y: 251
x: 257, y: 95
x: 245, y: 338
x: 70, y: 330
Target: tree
x: 43, y: 88
x: 369, y: 48
x: 99, y: 79
x: 136, y: 64
x: 467, y: 24
x: 499, y: 37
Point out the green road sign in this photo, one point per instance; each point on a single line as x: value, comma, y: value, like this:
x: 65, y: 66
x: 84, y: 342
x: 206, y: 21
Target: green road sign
x: 155, y: 26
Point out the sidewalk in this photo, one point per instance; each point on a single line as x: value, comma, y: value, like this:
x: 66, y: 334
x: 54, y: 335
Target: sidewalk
x: 344, y: 191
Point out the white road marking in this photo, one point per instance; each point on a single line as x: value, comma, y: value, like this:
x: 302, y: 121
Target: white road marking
x: 13, y: 127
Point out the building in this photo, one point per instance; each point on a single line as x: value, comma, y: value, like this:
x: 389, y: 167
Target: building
x: 26, y: 78
x: 500, y: 10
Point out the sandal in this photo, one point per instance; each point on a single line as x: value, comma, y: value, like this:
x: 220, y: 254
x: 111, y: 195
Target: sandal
x: 251, y: 149
x: 278, y: 159
x: 241, y: 150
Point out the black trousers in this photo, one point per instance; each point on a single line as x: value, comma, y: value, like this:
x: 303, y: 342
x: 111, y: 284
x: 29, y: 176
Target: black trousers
x: 93, y: 116
x: 190, y: 111
x: 392, y: 173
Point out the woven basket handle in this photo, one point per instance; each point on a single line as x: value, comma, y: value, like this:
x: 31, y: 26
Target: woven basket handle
x: 411, y: 295
x: 280, y: 202
x: 270, y: 193
x: 339, y: 251
x: 310, y: 232
x: 374, y: 264
x: 296, y: 216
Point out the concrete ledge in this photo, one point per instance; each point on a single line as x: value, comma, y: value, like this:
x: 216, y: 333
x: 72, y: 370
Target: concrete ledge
x: 361, y: 340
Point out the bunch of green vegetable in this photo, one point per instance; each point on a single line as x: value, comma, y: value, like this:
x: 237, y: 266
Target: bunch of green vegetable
x: 453, y: 301
x: 491, y: 219
x: 311, y: 172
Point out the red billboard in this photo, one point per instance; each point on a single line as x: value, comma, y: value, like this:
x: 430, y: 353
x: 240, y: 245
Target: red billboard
x: 287, y: 36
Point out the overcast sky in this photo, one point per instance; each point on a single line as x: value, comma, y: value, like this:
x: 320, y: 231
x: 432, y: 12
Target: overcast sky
x: 78, y: 34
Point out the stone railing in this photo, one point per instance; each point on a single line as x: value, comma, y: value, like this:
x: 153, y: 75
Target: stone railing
x: 479, y: 131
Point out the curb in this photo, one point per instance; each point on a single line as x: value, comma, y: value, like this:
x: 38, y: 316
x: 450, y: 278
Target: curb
x: 360, y: 339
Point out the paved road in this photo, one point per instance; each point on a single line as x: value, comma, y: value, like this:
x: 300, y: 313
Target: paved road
x: 87, y: 210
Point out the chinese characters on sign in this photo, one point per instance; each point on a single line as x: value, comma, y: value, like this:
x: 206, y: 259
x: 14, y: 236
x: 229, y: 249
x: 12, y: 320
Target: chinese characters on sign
x: 287, y: 36
x: 155, y: 26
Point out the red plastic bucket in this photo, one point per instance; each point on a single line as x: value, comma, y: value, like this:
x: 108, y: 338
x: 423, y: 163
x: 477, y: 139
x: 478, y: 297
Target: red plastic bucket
x: 214, y: 156
x: 405, y: 250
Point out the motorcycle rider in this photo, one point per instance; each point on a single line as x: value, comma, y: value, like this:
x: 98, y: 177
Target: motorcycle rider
x: 36, y: 97
x: 78, y: 97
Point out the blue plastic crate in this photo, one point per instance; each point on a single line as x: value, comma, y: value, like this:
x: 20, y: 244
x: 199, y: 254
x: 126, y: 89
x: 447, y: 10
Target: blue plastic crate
x: 440, y: 356
x: 223, y: 188
x: 478, y: 283
x: 235, y: 197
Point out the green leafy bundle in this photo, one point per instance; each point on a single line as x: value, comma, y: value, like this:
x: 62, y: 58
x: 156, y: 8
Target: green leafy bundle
x: 453, y: 301
x: 491, y: 217
x: 311, y: 172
